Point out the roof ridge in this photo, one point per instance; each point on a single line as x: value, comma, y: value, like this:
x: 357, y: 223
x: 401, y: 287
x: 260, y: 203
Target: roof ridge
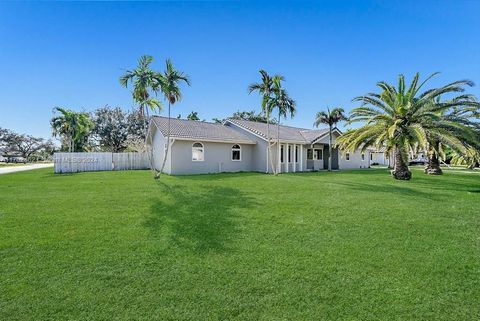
x: 188, y: 120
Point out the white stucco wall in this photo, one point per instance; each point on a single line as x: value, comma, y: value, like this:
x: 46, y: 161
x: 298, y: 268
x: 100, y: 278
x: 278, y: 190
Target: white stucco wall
x: 355, y: 161
x: 158, y: 149
x: 217, y: 158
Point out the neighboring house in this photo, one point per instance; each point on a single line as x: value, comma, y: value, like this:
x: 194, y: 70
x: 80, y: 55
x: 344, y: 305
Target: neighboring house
x: 238, y: 145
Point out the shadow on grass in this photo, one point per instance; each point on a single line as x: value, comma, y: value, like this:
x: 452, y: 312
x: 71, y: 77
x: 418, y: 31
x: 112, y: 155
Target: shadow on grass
x: 202, y: 221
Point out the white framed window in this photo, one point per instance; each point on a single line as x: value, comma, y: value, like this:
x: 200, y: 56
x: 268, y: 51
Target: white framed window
x: 197, y: 152
x: 347, y: 156
x: 296, y: 154
x: 318, y: 154
x: 236, y: 153
x: 289, y: 154
x: 363, y: 157
x: 281, y: 154
x: 371, y: 156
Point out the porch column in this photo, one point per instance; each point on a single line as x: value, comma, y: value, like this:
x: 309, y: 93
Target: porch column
x: 294, y: 157
x: 279, y: 150
x: 301, y: 157
x: 286, y: 158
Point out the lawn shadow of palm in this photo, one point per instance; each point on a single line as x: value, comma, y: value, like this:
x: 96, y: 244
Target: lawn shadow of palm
x: 203, y: 221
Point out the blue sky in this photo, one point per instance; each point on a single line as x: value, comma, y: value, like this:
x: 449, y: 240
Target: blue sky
x: 71, y: 54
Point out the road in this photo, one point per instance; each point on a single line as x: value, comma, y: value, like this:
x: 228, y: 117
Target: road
x: 13, y: 169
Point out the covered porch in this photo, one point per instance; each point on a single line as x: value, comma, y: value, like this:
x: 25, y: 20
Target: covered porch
x: 293, y: 157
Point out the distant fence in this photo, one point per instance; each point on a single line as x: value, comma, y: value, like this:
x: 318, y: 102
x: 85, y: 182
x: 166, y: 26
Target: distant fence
x: 92, y: 162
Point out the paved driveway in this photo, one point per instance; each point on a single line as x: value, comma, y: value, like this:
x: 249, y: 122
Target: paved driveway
x: 13, y: 169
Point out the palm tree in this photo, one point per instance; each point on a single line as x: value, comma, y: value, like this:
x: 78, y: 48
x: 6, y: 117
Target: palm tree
x: 285, y: 106
x: 74, y: 127
x: 330, y: 118
x: 169, y: 85
x: 144, y: 80
x: 400, y: 118
x: 456, y: 122
x: 265, y: 89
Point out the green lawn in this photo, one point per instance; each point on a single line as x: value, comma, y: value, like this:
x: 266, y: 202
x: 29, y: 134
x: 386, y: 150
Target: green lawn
x: 319, y: 246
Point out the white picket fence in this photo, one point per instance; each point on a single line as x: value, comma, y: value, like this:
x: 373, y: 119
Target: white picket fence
x: 92, y: 162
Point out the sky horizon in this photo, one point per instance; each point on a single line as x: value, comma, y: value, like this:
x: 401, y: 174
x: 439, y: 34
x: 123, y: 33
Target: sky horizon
x: 72, y: 54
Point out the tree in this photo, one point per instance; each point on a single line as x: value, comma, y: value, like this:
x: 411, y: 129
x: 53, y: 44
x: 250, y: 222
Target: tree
x: 73, y: 128
x: 330, y: 118
x: 111, y: 128
x: 193, y: 116
x: 265, y: 89
x: 285, y: 106
x: 398, y: 118
x: 22, y: 145
x: 460, y: 122
x: 169, y: 84
x: 145, y: 83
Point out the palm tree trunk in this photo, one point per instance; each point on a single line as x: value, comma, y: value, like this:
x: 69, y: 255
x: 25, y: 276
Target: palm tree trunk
x: 147, y: 150
x: 330, y: 149
x: 269, y: 147
x: 278, y: 142
x: 433, y: 165
x: 400, y: 170
x: 168, y: 145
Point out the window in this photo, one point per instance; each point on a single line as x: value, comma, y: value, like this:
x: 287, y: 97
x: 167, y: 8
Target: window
x: 363, y: 157
x: 296, y: 154
x: 236, y: 153
x: 371, y: 156
x: 289, y: 154
x: 197, y: 152
x: 347, y: 156
x: 318, y: 154
x: 309, y: 154
x: 281, y: 153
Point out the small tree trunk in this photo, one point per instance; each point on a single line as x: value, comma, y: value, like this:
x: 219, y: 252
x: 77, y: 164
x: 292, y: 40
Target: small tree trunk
x: 168, y: 146
x: 278, y: 143
x: 400, y: 170
x: 433, y: 165
x: 269, y: 147
x: 330, y: 149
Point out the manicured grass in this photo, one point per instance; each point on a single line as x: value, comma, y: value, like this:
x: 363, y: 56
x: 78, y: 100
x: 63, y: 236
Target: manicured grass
x: 319, y: 246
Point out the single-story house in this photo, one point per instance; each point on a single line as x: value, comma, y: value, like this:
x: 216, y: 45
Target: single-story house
x: 238, y: 145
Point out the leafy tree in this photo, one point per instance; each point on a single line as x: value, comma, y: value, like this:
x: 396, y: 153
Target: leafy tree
x: 398, y: 118
x: 169, y: 82
x: 73, y: 128
x: 193, y: 116
x: 146, y: 82
x: 281, y: 101
x: 25, y: 146
x: 111, y: 128
x: 266, y: 90
x: 330, y: 118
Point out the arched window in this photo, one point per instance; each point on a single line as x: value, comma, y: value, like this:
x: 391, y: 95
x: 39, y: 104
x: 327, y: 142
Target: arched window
x: 197, y: 152
x: 363, y: 156
x: 236, y: 153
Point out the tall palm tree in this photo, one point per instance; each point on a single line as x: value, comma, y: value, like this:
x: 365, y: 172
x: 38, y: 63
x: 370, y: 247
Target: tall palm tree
x: 72, y: 126
x: 330, y: 118
x: 145, y: 81
x: 285, y: 106
x: 169, y: 85
x: 265, y: 89
x: 399, y: 118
